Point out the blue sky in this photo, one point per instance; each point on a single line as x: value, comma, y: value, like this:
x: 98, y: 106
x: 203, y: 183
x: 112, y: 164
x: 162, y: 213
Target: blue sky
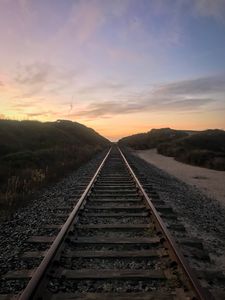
x: 118, y: 66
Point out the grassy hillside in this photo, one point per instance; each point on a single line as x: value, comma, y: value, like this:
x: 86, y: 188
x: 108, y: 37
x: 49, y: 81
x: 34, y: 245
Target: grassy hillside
x: 33, y: 153
x: 205, y: 148
x: 152, y: 138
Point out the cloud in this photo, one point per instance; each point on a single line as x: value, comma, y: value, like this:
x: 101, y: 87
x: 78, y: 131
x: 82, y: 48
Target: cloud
x: 39, y: 114
x: 33, y: 74
x: 102, y: 85
x: 109, y: 108
x: 37, y: 77
x: 203, y: 8
x: 182, y: 96
x: 25, y: 8
x: 205, y: 85
x: 171, y: 31
x: 183, y: 104
x: 20, y: 104
x: 122, y: 54
x: 209, y: 8
x: 87, y: 17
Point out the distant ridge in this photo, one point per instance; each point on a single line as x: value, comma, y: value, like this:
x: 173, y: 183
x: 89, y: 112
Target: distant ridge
x: 202, y: 148
x: 153, y: 138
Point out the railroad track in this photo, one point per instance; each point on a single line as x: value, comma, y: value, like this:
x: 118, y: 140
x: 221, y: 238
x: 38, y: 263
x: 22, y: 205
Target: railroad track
x: 113, y: 245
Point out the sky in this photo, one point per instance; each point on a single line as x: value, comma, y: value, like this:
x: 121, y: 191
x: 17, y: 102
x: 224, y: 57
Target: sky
x: 120, y: 67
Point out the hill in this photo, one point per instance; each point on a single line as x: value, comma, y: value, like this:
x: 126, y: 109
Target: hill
x: 204, y: 148
x: 33, y: 153
x: 152, y: 138
x: 17, y: 136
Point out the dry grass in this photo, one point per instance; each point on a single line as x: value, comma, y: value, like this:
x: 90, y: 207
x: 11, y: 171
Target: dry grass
x: 34, y: 154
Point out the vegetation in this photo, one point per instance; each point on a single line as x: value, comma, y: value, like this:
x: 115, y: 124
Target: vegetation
x: 152, y: 138
x: 205, y: 148
x: 34, y: 153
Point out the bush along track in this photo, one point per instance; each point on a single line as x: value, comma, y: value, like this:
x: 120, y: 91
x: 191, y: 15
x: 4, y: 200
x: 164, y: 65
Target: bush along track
x: 203, y: 148
x: 34, y: 154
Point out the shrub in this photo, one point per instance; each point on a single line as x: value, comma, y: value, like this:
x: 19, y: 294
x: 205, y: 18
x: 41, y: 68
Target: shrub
x: 33, y: 154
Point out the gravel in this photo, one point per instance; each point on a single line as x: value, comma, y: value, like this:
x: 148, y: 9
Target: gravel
x: 114, y: 220
x: 41, y: 210
x: 116, y: 233
x: 108, y: 286
x: 202, y: 217
x: 12, y: 286
x: 113, y: 263
x: 117, y: 247
x: 111, y: 204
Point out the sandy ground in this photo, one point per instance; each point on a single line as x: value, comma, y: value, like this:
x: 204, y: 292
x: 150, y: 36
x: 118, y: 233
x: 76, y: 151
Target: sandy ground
x: 210, y: 182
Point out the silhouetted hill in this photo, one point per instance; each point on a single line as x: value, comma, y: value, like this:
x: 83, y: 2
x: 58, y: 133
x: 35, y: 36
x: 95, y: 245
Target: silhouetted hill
x: 204, y: 148
x: 33, y: 153
x: 17, y: 136
x: 152, y: 138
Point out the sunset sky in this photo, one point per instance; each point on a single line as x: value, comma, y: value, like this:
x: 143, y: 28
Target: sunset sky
x: 118, y: 66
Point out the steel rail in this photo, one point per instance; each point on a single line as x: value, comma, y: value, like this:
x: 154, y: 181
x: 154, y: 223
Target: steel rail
x: 173, y: 246
x: 34, y: 282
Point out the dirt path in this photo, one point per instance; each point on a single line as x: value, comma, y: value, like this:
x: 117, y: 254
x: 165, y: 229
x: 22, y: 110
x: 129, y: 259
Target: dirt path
x: 210, y: 182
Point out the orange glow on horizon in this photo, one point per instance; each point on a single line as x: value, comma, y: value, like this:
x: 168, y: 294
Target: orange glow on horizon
x: 121, y: 130
x: 112, y: 127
